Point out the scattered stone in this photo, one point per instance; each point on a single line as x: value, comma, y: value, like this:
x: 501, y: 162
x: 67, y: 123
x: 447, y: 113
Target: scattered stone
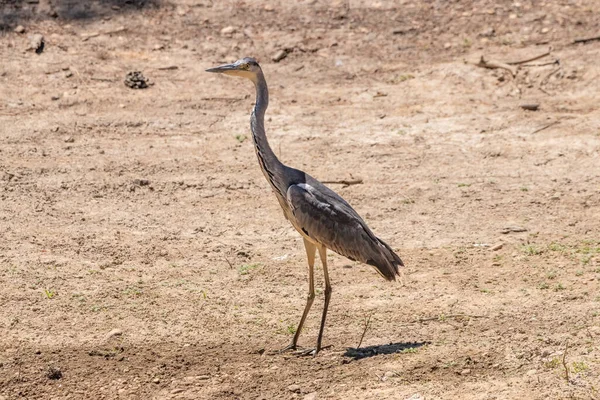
x: 531, y: 372
x: 416, y: 396
x: 158, y: 47
x: 178, y: 390
x: 497, y: 247
x: 294, y: 388
x: 136, y: 80
x: 156, y: 380
x: 113, y: 333
x: 490, y: 32
x: 546, y: 352
x: 311, y: 396
x: 141, y: 182
x: 465, y: 371
x: 37, y: 43
x: 388, y: 375
x: 447, y: 45
x: 69, y: 139
x: 54, y: 373
x: 55, y: 97
x: 228, y: 31
x: 20, y: 29
x: 203, y: 377
x: 530, y: 107
x: 513, y: 229
x: 280, y: 55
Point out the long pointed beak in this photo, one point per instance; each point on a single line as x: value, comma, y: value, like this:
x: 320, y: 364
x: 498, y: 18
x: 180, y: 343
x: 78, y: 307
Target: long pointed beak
x: 222, y: 68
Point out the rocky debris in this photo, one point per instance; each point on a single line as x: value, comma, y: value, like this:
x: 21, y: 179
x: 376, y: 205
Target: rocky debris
x: 141, y: 182
x: 513, y: 229
x: 37, y: 43
x: 228, y: 31
x: 136, y: 80
x: 294, y: 388
x: 20, y: 29
x: 530, y: 107
x: 53, y: 373
x: 69, y: 139
x: 497, y: 247
x: 311, y: 396
x: 280, y: 55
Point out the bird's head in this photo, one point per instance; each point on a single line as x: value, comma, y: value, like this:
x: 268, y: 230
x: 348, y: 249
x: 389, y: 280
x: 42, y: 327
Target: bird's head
x: 246, y: 67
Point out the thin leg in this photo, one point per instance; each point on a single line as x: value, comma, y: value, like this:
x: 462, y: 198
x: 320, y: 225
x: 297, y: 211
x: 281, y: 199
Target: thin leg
x: 323, y: 256
x: 311, y: 251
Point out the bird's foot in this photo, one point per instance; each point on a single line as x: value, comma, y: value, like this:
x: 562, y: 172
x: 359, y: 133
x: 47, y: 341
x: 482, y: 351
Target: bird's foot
x: 290, y: 347
x: 310, y: 352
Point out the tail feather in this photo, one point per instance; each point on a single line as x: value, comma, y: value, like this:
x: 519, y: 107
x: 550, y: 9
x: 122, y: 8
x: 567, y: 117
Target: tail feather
x: 386, y: 261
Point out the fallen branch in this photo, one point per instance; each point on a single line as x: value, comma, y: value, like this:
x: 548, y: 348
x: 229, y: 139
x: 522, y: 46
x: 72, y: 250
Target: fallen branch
x: 555, y: 62
x: 531, y: 59
x: 494, y: 64
x: 545, y: 126
x: 346, y: 182
x: 93, y: 35
x: 585, y: 40
x: 442, y: 317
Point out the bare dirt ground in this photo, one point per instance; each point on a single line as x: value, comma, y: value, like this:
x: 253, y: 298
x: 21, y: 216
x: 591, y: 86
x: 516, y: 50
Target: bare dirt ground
x: 142, y: 254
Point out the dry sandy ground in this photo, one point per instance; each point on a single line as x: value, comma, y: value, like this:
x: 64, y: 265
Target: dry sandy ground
x: 142, y: 254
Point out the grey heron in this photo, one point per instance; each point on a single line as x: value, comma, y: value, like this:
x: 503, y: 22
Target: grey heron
x: 323, y: 218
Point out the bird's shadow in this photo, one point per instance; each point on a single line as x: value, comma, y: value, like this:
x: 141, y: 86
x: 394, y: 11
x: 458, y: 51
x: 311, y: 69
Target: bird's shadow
x: 391, y: 348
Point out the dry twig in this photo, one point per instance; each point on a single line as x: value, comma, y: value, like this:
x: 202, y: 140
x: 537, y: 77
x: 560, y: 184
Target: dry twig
x: 367, y: 323
x: 564, y: 362
x: 545, y: 126
x: 442, y: 317
x: 530, y: 59
x: 93, y: 35
x: 585, y: 40
x: 483, y: 63
x: 346, y: 182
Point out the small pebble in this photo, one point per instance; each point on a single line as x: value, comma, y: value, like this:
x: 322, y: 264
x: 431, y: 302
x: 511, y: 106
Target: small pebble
x: 20, y: 29
x: 228, y: 31
x: 294, y: 388
x: 69, y: 139
x: 37, y: 43
x: 465, y: 371
x: 311, y: 396
x: 497, y: 247
x: 156, y: 380
x: 280, y: 55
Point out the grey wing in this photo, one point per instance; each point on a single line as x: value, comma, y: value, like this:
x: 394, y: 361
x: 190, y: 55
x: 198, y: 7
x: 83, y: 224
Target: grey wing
x: 328, y: 219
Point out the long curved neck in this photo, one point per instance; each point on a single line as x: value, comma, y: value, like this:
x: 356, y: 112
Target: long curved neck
x: 269, y: 163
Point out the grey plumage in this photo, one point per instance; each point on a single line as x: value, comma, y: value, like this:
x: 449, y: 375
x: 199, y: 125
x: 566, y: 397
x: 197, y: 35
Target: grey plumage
x: 321, y: 216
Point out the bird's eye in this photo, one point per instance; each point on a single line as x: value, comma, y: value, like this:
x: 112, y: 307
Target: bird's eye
x: 245, y: 66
